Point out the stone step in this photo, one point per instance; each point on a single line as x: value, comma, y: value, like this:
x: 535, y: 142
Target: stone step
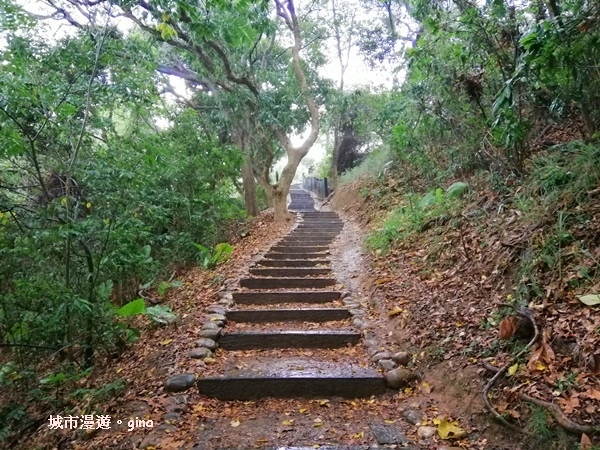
x: 291, y: 262
x: 249, y: 340
x: 290, y: 378
x: 307, y: 236
x: 286, y: 283
x: 298, y: 249
x: 288, y: 315
x: 307, y: 241
x: 294, y: 255
x: 290, y: 272
x: 272, y: 298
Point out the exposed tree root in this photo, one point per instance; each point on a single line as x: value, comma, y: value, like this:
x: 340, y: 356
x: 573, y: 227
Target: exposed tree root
x: 526, y: 313
x: 560, y: 418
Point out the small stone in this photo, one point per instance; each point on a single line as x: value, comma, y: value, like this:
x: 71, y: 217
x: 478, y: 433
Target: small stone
x: 357, y: 312
x: 216, y: 309
x: 211, y: 334
x: 402, y: 358
x: 387, y: 434
x: 413, y: 416
x: 381, y: 355
x: 172, y: 416
x: 210, y: 326
x: 387, y: 364
x: 200, y: 353
x: 346, y: 294
x: 445, y: 447
x: 399, y: 378
x: 180, y: 383
x: 426, y: 432
x: 358, y: 323
x: 351, y: 303
x: 208, y: 343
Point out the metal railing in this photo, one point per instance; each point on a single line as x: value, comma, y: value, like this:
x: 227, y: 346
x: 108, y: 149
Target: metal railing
x: 317, y: 186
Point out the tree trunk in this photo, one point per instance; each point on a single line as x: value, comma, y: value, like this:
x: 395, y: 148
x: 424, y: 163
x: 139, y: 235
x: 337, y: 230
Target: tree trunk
x: 240, y: 140
x: 249, y: 184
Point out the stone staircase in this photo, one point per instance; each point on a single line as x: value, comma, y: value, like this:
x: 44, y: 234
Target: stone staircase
x: 286, y: 305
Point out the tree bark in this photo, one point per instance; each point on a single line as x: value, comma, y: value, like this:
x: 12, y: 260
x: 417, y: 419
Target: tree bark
x: 287, y: 11
x: 240, y: 140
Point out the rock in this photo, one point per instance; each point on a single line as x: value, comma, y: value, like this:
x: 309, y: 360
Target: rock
x: 358, y: 323
x: 217, y: 318
x: 380, y: 355
x: 200, y: 353
x: 216, y: 309
x: 399, y: 378
x: 180, y: 383
x: 357, y: 312
x: 426, y: 432
x: 172, y: 416
x: 402, y: 358
x: 211, y: 334
x: 210, y: 326
x: 445, y: 447
x: 177, y: 403
x: 387, y: 364
x: 206, y: 342
x: 387, y: 434
x: 224, y: 295
x: 346, y: 294
x: 413, y: 416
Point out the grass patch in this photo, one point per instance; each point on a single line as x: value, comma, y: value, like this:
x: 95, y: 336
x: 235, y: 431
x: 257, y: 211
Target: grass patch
x: 418, y: 214
x: 373, y: 166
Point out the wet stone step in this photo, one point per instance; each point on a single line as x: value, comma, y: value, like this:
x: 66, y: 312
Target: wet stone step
x: 249, y: 340
x: 306, y: 241
x: 294, y: 255
x: 291, y: 262
x: 286, y: 283
x: 289, y: 378
x: 298, y: 249
x: 291, y: 315
x: 290, y: 272
x: 272, y: 298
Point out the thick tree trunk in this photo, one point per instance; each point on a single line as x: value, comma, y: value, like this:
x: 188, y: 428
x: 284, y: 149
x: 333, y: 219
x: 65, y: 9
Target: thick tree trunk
x: 248, y: 182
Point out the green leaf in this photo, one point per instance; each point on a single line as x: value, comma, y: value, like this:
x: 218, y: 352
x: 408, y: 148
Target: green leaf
x: 456, y: 189
x: 590, y: 299
x: 132, y: 308
x: 161, y: 314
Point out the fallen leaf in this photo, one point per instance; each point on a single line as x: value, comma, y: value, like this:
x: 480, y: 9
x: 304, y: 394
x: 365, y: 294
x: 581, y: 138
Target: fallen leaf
x: 318, y: 422
x: 508, y: 327
x: 396, y: 310
x: 288, y: 423
x: 449, y: 430
x: 589, y: 299
x: 302, y: 410
x: 234, y: 423
x: 513, y: 369
x: 585, y: 443
x: 167, y: 341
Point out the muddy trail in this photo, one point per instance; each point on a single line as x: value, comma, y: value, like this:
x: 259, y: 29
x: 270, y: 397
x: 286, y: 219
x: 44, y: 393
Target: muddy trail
x: 294, y: 350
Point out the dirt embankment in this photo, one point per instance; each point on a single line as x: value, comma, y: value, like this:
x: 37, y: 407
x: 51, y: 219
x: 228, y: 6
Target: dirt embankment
x: 447, y: 295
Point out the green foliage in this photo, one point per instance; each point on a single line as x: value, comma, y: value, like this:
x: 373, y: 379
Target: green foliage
x: 132, y: 308
x: 161, y: 314
x: 210, y: 259
x: 418, y: 213
x: 95, y: 199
